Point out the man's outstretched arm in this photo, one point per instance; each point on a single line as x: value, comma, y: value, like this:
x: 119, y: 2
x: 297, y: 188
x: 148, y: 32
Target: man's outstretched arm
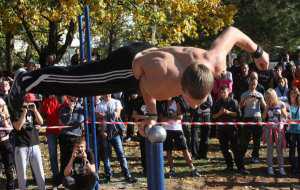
x: 234, y: 37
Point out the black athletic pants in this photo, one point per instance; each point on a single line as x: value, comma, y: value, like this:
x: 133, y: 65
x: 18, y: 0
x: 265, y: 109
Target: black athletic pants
x: 113, y: 74
x: 7, y: 156
x: 200, y: 136
x: 248, y: 131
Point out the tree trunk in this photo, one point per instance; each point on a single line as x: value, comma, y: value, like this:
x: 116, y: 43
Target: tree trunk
x: 28, y: 54
x: 52, y: 38
x: 9, y: 46
x: 43, y: 56
x: 110, y: 41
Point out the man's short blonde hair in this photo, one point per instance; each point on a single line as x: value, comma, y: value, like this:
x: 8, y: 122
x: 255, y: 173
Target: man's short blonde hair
x: 197, y: 80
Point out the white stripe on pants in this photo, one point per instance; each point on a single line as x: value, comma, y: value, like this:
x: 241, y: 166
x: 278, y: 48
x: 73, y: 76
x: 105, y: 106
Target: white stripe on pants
x: 31, y: 154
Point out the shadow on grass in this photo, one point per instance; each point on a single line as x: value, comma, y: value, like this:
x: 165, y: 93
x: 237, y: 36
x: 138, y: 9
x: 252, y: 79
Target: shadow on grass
x: 232, y: 181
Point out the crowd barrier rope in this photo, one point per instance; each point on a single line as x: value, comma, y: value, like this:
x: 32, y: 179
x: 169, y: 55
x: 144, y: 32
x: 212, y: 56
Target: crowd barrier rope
x: 236, y: 123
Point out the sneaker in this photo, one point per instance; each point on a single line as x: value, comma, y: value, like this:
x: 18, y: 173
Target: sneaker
x: 282, y: 172
x: 16, y: 94
x: 130, y: 179
x: 270, y: 171
x: 172, y: 173
x: 255, y: 160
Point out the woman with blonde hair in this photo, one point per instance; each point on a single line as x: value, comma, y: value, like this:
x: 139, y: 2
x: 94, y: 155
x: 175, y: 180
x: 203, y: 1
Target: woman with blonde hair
x: 275, y: 112
x: 6, y: 149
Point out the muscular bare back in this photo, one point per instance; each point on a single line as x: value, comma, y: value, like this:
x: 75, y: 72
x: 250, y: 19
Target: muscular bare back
x: 160, y: 69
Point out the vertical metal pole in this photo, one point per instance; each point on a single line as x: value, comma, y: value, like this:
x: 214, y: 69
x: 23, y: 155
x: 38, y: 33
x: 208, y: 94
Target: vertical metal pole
x: 149, y: 164
x: 89, y: 59
x: 158, y: 160
x: 156, y: 136
x: 86, y: 111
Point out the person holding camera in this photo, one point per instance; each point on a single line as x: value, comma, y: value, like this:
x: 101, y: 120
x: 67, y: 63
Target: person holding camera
x: 6, y: 149
x: 109, y: 109
x: 27, y: 143
x: 71, y: 114
x: 252, y: 104
x: 80, y: 172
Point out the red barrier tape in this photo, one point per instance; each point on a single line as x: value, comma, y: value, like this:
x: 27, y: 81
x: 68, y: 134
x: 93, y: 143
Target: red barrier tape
x: 209, y: 123
x: 183, y: 123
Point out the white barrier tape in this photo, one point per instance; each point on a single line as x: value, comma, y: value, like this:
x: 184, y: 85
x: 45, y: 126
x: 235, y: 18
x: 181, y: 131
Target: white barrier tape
x: 167, y: 123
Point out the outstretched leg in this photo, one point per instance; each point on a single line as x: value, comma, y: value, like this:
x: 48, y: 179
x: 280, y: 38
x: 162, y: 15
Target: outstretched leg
x: 113, y: 74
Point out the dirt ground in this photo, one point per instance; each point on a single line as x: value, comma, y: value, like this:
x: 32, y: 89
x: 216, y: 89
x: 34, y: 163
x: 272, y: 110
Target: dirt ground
x: 213, y: 176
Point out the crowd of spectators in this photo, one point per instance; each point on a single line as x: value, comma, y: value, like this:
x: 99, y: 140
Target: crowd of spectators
x: 241, y: 93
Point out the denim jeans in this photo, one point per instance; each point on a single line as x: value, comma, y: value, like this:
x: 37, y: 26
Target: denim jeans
x: 116, y: 143
x: 31, y: 154
x: 52, y: 141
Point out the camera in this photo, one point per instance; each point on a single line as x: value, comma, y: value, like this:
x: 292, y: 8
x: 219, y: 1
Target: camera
x: 79, y: 154
x: 79, y: 164
x: 31, y: 106
x: 28, y: 106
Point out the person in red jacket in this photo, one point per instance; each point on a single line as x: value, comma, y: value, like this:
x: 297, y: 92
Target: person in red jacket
x: 49, y: 109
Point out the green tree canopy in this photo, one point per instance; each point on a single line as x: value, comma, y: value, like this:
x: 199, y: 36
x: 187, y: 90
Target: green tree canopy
x: 271, y: 23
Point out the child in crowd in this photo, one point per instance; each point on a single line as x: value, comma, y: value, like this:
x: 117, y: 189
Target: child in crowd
x: 294, y: 130
x: 275, y: 112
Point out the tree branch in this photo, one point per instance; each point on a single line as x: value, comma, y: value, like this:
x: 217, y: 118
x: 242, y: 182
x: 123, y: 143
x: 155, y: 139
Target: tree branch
x: 30, y: 35
x: 68, y: 41
x: 52, y: 38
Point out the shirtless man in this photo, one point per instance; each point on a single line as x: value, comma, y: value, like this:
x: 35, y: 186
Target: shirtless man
x: 160, y: 73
